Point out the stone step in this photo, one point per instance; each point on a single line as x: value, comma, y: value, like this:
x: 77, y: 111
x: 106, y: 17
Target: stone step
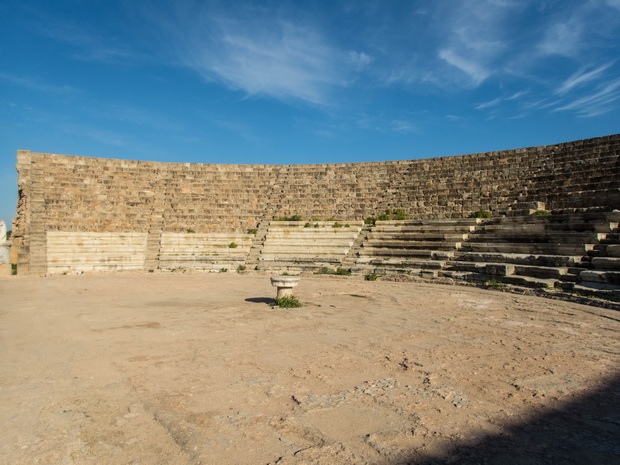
x: 594, y: 289
x: 524, y: 259
x: 606, y: 263
x: 545, y: 272
x: 613, y: 250
x: 201, y: 258
x: 540, y: 237
x: 610, y: 217
x: 165, y: 244
x: 309, y: 233
x: 599, y: 227
x: 381, y: 236
x: 383, y: 271
x: 314, y: 251
x: 424, y: 228
x: 73, y: 249
x: 207, y: 236
x: 437, y: 222
x: 526, y: 281
x: 284, y: 265
x: 528, y: 248
x: 214, y: 267
x: 598, y: 276
x: 300, y: 260
x: 386, y: 252
x: 54, y: 269
x: 310, y: 241
x: 372, y: 245
x: 82, y: 259
x: 286, y: 225
x: 392, y: 262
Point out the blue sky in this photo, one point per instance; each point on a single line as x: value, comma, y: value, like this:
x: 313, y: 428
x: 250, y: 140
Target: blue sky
x: 301, y: 81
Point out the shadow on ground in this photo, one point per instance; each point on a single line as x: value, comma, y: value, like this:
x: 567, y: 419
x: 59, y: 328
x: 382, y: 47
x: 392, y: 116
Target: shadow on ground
x: 585, y: 431
x: 260, y: 300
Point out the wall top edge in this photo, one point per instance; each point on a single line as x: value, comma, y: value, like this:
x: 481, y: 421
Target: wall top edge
x: 28, y: 156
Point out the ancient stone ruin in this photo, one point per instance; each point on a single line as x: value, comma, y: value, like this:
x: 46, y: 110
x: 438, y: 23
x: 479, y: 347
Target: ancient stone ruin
x: 552, y: 216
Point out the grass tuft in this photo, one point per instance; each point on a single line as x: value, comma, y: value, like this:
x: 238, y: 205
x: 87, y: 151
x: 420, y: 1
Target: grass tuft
x: 289, y: 301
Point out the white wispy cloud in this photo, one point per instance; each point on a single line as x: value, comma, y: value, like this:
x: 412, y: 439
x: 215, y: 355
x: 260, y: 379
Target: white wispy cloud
x: 474, y: 37
x: 403, y: 126
x: 360, y: 60
x: 563, y: 38
x: 613, y: 3
x: 475, y: 69
x: 581, y: 77
x: 490, y: 103
x: 596, y: 103
x: 266, y: 54
x: 517, y: 95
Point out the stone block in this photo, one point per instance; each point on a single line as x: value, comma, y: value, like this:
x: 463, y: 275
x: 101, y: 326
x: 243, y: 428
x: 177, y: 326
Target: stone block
x: 499, y: 269
x: 607, y: 263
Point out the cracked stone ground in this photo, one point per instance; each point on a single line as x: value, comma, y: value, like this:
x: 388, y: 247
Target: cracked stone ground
x: 199, y: 369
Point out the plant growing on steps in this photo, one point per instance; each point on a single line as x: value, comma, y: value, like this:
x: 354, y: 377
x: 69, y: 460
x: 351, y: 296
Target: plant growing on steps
x: 338, y: 271
x: 494, y: 284
x: 371, y: 277
x: 481, y: 214
x: 389, y: 214
x: 289, y: 218
x: 232, y: 245
x: 251, y: 231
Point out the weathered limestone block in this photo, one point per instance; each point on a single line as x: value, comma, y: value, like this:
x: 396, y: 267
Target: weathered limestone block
x: 606, y: 263
x: 499, y: 269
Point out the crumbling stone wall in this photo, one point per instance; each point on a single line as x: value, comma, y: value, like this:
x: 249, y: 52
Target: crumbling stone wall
x: 82, y: 194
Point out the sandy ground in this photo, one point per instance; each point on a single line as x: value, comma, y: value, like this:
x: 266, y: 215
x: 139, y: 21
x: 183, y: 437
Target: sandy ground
x: 199, y: 369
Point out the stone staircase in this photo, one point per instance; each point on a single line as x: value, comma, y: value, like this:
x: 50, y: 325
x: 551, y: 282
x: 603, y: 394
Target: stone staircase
x: 539, y: 251
x: 297, y: 246
x: 204, y: 251
x: 83, y: 252
x: 416, y: 247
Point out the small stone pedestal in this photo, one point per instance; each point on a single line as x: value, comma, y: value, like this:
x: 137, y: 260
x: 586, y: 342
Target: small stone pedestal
x: 285, y: 285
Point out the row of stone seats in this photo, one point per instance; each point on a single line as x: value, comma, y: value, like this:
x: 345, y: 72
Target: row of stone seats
x: 80, y: 252
x: 536, y: 251
x: 203, y: 252
x: 307, y: 246
x: 419, y: 247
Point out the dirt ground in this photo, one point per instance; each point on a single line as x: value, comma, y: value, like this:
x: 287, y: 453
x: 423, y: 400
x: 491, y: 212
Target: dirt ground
x: 199, y: 369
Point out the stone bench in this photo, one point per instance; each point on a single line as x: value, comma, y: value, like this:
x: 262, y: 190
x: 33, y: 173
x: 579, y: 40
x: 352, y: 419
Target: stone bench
x: 522, y: 259
x: 373, y: 245
x: 529, y: 248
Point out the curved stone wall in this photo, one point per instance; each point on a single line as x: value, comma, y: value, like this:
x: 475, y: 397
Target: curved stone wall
x: 60, y: 193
